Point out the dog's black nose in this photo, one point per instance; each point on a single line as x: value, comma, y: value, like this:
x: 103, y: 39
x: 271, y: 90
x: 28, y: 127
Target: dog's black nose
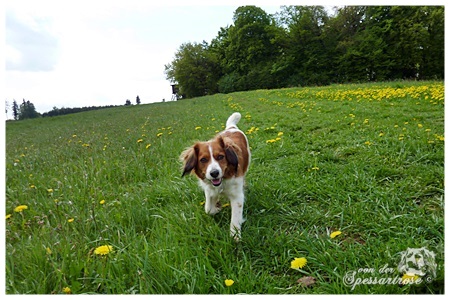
x: 214, y: 173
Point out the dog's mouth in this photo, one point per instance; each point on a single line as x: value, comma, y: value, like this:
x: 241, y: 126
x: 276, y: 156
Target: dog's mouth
x: 216, y: 181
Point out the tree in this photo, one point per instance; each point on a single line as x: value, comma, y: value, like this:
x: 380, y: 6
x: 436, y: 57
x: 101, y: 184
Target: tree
x: 138, y: 101
x: 433, y: 61
x: 248, y: 49
x: 27, y: 111
x: 194, y: 69
x: 6, y: 108
x: 128, y: 102
x: 307, y: 56
x: 15, y: 108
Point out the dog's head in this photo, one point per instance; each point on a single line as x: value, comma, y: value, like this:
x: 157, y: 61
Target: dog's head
x: 211, y: 161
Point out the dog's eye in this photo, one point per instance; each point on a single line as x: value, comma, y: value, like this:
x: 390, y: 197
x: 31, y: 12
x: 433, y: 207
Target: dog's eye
x: 204, y: 160
x: 220, y: 157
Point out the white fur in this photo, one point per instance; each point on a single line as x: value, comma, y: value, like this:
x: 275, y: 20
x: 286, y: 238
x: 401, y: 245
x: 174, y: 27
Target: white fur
x: 233, y: 120
x: 213, y: 166
x: 233, y: 189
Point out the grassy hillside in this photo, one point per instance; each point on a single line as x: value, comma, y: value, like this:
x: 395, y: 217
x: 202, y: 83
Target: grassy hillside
x: 365, y: 160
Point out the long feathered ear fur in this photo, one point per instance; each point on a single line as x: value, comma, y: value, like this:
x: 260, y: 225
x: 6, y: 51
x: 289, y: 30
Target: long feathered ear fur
x: 231, y: 152
x: 189, y: 159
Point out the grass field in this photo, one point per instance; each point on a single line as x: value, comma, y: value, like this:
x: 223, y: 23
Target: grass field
x: 365, y: 160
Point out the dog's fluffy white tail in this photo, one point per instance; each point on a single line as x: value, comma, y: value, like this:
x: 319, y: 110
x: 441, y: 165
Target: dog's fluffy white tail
x: 233, y: 120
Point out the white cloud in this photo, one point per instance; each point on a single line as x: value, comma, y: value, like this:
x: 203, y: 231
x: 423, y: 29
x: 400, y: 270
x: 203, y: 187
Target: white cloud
x: 30, y: 46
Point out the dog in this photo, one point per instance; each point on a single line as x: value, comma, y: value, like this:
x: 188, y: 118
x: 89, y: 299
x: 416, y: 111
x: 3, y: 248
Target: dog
x: 220, y: 165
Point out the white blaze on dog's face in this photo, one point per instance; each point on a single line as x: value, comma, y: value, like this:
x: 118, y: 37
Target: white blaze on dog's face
x: 214, y: 170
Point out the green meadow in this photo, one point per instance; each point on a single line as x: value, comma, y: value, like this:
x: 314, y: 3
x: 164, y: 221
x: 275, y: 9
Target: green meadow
x: 365, y: 161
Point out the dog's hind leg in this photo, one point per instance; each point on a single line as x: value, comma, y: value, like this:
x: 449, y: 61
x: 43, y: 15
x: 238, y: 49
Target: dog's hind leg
x: 237, y: 208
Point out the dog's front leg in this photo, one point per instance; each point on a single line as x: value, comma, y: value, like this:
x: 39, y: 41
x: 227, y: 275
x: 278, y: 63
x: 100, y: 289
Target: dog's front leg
x: 212, y: 204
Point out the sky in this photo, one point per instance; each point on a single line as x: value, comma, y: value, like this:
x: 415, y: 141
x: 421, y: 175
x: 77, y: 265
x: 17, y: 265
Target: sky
x: 94, y: 53
x: 97, y: 52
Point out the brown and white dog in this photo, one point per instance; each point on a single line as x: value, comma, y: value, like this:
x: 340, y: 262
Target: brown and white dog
x: 220, y: 165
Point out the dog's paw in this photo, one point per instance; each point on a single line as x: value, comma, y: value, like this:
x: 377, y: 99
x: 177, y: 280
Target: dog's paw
x: 213, y: 209
x: 235, y: 233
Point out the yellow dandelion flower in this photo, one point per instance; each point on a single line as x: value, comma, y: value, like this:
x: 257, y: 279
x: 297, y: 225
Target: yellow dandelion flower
x: 225, y: 205
x: 140, y: 140
x: 298, y: 263
x: 50, y: 190
x: 409, y: 278
x: 439, y: 137
x: 32, y: 186
x: 419, y: 125
x: 381, y: 134
x: 103, y: 250
x: 368, y: 143
x: 48, y: 250
x: 335, y: 234
x: 159, y: 134
x: 229, y: 282
x: 315, y: 168
x: 148, y: 146
x: 102, y: 202
x: 20, y: 208
x: 427, y: 130
x: 70, y: 220
x: 8, y: 216
x: 198, y: 127
x: 67, y: 290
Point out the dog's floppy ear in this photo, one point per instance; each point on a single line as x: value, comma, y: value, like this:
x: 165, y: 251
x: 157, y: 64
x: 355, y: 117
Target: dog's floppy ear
x: 230, y: 152
x: 189, y: 159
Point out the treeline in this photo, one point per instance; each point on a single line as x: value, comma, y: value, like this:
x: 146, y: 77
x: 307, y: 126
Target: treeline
x: 27, y: 110
x: 66, y: 110
x: 304, y: 45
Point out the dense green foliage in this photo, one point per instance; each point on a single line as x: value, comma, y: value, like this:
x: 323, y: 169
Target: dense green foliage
x: 304, y: 45
x: 366, y: 160
x: 26, y: 110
